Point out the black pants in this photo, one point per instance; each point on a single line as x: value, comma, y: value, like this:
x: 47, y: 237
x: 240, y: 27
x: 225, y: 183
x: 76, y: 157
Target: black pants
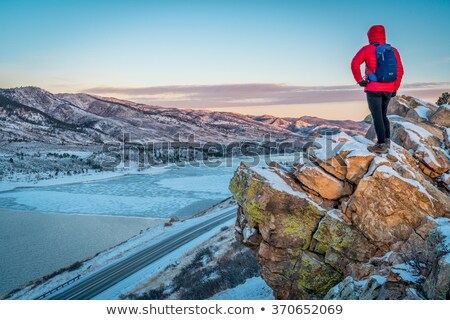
x: 378, y: 103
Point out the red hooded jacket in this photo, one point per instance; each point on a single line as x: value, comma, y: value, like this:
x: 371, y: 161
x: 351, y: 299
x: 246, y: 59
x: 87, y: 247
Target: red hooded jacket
x: 367, y: 54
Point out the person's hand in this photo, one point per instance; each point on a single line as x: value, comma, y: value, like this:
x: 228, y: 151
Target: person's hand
x: 394, y: 94
x: 363, y: 83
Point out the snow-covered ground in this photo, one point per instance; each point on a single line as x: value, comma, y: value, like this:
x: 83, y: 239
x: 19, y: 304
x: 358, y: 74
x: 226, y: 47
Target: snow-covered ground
x: 252, y: 289
x: 21, y: 182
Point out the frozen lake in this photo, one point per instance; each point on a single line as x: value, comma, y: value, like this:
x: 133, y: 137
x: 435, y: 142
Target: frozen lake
x: 173, y: 191
x: 45, y: 228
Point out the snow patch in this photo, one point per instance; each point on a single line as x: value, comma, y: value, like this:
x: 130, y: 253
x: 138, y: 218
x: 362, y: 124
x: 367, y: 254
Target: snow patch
x: 407, y: 272
x: 248, y: 232
x: 362, y: 139
x: 252, y: 289
x: 444, y: 229
x: 334, y: 216
x: 359, y: 153
x: 377, y: 162
x: 335, y: 144
x: 276, y: 182
x: 416, y: 131
x: 381, y: 280
x: 422, y: 111
x: 404, y: 104
x: 428, y: 155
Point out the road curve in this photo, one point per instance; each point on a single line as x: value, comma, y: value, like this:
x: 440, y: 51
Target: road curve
x: 105, y: 278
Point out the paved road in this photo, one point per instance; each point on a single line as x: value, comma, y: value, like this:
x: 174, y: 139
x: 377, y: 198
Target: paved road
x: 106, y: 278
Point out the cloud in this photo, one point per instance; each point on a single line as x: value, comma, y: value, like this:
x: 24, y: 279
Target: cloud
x: 251, y: 94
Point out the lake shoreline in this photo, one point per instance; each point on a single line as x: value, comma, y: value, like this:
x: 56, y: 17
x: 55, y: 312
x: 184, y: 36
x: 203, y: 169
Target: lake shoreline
x: 38, y: 243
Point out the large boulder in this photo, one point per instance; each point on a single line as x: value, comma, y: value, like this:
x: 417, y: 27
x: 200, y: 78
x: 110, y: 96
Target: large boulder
x: 343, y: 237
x: 419, y: 113
x: 425, y: 141
x: 399, y: 106
x: 387, y: 207
x: 441, y: 116
x: 285, y: 219
x: 328, y: 186
x: 357, y: 163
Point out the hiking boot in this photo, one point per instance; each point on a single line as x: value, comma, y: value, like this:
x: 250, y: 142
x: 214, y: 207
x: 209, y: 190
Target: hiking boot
x: 378, y: 148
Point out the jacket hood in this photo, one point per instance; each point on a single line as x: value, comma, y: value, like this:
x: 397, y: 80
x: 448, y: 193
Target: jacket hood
x: 377, y: 34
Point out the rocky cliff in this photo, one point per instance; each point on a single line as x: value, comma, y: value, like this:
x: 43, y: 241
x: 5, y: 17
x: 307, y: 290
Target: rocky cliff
x: 348, y: 224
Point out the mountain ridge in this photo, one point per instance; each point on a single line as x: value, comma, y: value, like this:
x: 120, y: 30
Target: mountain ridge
x: 101, y: 119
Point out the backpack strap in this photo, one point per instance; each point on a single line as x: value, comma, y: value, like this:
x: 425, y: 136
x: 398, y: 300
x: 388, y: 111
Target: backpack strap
x: 372, y: 74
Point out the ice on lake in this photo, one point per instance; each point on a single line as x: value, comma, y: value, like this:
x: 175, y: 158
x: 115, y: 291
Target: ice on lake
x: 178, y: 191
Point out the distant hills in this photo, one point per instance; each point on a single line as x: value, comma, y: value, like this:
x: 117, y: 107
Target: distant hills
x: 34, y: 114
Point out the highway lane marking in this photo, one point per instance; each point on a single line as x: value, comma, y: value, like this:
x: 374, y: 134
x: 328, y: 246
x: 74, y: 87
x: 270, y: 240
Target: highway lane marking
x: 143, y: 261
x: 139, y: 260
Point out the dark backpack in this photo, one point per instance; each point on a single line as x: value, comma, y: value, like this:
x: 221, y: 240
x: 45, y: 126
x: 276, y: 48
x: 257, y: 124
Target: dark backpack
x: 386, y: 64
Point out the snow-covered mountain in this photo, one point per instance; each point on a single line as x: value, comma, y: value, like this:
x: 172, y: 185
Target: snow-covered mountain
x: 33, y: 114
x: 308, y: 125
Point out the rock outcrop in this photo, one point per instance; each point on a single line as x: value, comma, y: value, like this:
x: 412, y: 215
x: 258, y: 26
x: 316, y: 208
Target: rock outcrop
x: 441, y: 116
x: 349, y: 224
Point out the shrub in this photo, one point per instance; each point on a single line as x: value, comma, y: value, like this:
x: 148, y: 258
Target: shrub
x: 444, y: 99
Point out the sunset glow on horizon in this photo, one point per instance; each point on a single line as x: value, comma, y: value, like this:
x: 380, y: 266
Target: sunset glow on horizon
x: 285, y: 58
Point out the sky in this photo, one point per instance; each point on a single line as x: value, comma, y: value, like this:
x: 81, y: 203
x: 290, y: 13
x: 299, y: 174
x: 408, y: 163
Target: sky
x: 286, y: 58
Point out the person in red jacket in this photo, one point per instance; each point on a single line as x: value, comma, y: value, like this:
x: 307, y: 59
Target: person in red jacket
x: 378, y: 93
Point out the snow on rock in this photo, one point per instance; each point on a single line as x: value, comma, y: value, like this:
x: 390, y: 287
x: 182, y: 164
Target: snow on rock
x: 353, y: 289
x: 333, y: 214
x: 422, y: 112
x: 387, y: 170
x: 417, y: 133
x: 279, y: 184
x: 425, y: 142
x: 407, y: 272
x: 444, y: 229
x: 445, y: 178
x: 381, y: 235
x: 330, y: 146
